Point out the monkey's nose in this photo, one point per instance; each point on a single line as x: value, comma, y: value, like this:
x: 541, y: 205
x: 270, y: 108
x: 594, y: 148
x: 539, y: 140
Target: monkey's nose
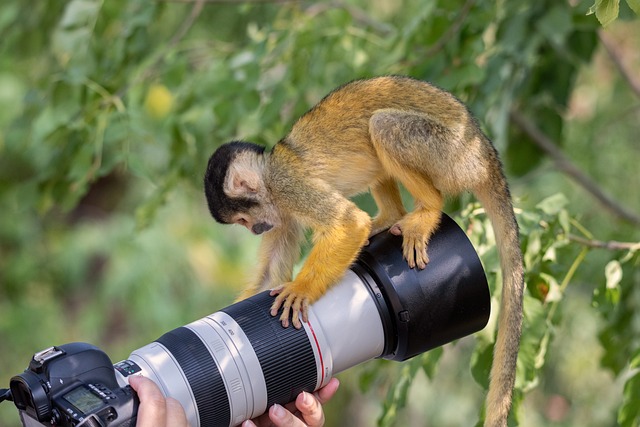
x: 261, y: 227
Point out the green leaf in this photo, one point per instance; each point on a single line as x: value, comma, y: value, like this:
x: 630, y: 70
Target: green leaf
x: 552, y: 205
x: 532, y: 251
x: 634, y: 5
x: 556, y: 24
x: 564, y: 220
x: 397, y: 395
x: 429, y: 361
x: 635, y: 360
x: 533, y: 344
x: 629, y: 413
x: 481, y: 364
x: 606, y: 11
x: 71, y: 38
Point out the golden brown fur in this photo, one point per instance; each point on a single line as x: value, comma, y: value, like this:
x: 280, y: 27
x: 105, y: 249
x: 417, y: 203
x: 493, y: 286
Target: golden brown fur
x: 370, y: 135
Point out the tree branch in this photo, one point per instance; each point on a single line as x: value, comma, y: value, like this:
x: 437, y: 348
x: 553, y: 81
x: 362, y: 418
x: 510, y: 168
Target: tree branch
x: 610, y: 245
x: 609, y: 46
x: 563, y: 163
x: 186, y: 24
x: 358, y: 15
x: 453, y: 29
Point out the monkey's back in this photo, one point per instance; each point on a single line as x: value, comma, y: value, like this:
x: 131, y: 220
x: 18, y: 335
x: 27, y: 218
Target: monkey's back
x: 332, y: 139
x: 341, y: 119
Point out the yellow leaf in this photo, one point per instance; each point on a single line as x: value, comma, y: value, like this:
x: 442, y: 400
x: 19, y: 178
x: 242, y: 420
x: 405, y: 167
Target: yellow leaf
x: 158, y: 102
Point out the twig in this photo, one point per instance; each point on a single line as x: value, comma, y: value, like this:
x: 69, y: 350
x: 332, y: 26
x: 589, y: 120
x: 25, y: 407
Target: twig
x: 612, y: 51
x: 611, y: 245
x: 563, y: 163
x: 358, y: 15
x: 187, y: 23
x: 175, y: 39
x: 451, y: 31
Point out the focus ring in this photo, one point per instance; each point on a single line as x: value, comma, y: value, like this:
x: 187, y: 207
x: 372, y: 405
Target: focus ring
x: 285, y: 354
x: 202, y: 375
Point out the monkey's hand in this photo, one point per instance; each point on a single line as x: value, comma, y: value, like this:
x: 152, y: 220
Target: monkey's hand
x: 292, y: 300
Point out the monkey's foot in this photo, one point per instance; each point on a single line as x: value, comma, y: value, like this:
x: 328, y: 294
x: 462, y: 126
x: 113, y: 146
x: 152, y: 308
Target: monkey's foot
x: 414, y: 244
x: 291, y: 302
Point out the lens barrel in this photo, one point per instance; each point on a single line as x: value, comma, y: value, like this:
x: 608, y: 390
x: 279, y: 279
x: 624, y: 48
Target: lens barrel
x: 237, y: 362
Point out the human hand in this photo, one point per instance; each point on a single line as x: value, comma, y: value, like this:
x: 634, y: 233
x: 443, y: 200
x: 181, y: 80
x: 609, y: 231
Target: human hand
x: 306, y: 411
x: 155, y: 410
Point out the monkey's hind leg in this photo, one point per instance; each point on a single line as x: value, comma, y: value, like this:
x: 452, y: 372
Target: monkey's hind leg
x: 390, y: 208
x: 417, y: 226
x: 401, y: 140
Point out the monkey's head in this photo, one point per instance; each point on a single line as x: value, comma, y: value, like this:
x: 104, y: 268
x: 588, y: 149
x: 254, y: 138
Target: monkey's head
x: 235, y: 189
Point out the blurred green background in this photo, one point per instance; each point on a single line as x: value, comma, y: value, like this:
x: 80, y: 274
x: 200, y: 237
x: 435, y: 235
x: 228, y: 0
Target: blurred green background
x: 109, y: 111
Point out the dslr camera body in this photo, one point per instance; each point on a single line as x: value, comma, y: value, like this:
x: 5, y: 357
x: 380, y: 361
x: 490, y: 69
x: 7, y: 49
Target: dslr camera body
x: 73, y: 385
x: 235, y: 363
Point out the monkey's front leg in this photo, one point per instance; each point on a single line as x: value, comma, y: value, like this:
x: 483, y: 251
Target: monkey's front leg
x: 279, y: 251
x: 336, y: 247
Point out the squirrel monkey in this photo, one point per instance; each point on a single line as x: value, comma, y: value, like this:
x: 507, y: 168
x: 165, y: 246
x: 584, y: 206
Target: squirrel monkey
x: 369, y: 134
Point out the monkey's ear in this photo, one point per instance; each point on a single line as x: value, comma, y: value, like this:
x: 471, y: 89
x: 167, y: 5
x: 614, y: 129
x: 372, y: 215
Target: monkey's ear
x: 242, y: 181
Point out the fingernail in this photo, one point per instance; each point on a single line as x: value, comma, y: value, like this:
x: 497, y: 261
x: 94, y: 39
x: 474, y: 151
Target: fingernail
x: 306, y: 398
x: 278, y: 411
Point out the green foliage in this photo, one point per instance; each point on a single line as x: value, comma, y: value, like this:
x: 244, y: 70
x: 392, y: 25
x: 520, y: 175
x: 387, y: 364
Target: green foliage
x: 109, y: 110
x: 629, y: 414
x: 607, y: 10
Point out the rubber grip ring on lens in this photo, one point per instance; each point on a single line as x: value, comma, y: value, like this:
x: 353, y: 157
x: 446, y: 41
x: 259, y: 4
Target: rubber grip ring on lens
x: 285, y: 354
x: 202, y: 375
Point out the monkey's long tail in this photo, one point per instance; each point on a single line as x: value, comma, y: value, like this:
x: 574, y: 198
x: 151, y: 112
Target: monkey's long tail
x: 496, y: 200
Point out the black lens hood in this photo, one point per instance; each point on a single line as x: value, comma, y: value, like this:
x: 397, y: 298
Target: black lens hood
x: 447, y: 300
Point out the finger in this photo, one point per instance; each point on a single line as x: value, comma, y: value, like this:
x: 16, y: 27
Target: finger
x: 286, y: 309
x: 259, y: 421
x: 310, y: 409
x: 153, y: 409
x: 279, y: 302
x: 310, y: 405
x: 327, y: 392
x: 305, y: 310
x: 175, y: 413
x: 276, y: 291
x: 280, y: 417
x: 295, y: 315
